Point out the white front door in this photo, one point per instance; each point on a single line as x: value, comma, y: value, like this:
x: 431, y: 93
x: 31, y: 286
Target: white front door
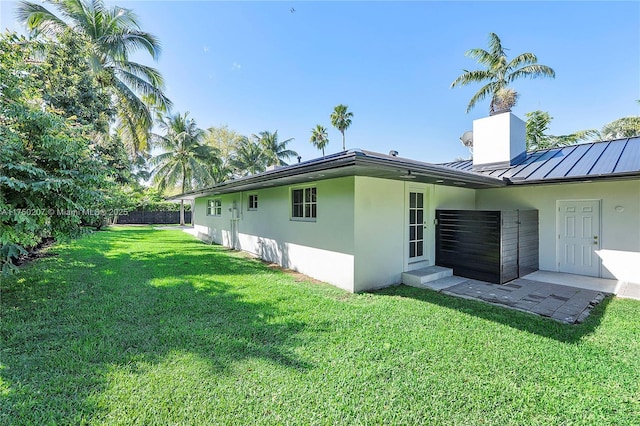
x: 578, y: 227
x: 416, y: 218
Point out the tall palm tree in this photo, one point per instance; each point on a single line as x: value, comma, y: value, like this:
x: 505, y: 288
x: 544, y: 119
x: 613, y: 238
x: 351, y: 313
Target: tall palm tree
x: 249, y: 157
x: 275, y: 150
x: 319, y: 137
x: 499, y: 72
x: 341, y: 120
x: 185, y: 162
x: 112, y: 34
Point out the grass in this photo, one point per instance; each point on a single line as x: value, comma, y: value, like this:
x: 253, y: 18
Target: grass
x: 139, y: 326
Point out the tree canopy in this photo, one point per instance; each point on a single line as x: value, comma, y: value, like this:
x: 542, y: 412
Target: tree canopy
x: 110, y: 35
x: 498, y: 73
x: 341, y: 119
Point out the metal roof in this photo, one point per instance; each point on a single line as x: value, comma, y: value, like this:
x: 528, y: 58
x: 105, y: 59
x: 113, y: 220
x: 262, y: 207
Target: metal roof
x: 614, y: 159
x: 617, y: 159
x: 351, y: 163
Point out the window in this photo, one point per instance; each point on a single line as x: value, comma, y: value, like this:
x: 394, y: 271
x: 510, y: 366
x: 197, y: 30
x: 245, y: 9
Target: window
x: 303, y: 203
x: 253, y: 202
x: 214, y: 208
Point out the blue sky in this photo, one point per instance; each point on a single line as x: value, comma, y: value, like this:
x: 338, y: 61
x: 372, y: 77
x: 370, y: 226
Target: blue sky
x: 257, y: 66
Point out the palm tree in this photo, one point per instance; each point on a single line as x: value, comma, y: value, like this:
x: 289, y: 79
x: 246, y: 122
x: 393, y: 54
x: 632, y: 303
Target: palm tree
x: 341, y: 120
x: 185, y: 161
x: 275, y: 150
x: 112, y: 35
x: 319, y: 137
x: 499, y: 73
x: 249, y: 157
x: 536, y: 137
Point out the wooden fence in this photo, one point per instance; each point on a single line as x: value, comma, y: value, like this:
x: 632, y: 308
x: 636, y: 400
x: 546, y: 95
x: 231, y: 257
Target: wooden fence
x: 156, y: 217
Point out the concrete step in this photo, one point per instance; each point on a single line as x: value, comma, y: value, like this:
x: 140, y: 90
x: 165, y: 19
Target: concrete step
x: 420, y: 277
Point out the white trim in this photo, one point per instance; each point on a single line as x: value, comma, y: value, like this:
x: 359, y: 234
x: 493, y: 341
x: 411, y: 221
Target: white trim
x: 303, y: 188
x: 249, y: 207
x: 214, y: 210
x: 598, y: 227
x: 424, y: 190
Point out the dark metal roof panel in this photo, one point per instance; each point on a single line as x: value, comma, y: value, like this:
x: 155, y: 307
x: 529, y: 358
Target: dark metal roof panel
x: 629, y: 160
x: 616, y: 158
x: 609, y: 158
x: 589, y: 159
x: 533, y: 169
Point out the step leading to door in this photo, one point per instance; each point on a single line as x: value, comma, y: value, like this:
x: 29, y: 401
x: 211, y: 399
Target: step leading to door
x: 419, y: 277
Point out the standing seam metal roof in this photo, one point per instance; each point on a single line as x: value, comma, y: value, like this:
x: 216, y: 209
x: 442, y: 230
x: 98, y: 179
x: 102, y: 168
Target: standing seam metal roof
x: 620, y: 157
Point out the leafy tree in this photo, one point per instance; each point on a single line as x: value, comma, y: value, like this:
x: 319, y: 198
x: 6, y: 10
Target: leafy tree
x: 275, y: 150
x: 249, y: 157
x: 52, y: 180
x: 341, y: 120
x: 111, y: 35
x: 537, y: 125
x: 319, y: 137
x: 625, y: 127
x: 225, y: 140
x: 185, y: 161
x: 499, y: 73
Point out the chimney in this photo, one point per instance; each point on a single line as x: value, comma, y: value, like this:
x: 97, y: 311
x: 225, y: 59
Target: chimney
x: 498, y: 141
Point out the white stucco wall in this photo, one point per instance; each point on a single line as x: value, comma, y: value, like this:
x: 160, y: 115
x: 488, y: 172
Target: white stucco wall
x: 323, y: 249
x: 379, y: 232
x: 381, y: 229
x: 620, y: 230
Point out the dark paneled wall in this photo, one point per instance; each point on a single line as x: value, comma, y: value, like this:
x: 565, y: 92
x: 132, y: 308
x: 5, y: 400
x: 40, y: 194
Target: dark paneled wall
x: 158, y: 217
x: 493, y: 246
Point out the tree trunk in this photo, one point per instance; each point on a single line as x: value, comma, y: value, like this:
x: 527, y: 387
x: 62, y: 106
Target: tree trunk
x: 343, y: 145
x: 184, y: 181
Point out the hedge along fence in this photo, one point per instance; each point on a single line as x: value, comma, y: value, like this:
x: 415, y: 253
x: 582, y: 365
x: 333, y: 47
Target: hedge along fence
x: 156, y: 217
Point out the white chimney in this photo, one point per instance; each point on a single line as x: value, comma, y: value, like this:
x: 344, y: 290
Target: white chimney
x: 498, y: 141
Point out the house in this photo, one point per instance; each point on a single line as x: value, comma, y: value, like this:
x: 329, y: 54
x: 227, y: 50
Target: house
x: 359, y: 219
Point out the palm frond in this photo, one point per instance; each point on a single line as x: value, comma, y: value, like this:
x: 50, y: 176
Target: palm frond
x: 468, y: 77
x: 39, y: 19
x: 532, y: 71
x: 480, y: 95
x: 521, y: 60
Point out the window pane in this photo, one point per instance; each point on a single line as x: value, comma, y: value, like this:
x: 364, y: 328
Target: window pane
x: 307, y: 210
x: 297, y: 195
x: 307, y: 194
x: 412, y: 233
x: 412, y: 199
x: 412, y: 249
x: 420, y: 248
x: 420, y: 232
x: 412, y: 217
x: 420, y: 218
x: 313, y: 195
x: 420, y: 200
x: 313, y: 210
x: 297, y: 210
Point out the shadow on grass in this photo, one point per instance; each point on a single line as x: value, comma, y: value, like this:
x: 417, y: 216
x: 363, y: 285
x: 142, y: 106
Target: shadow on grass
x: 529, y: 322
x: 119, y: 299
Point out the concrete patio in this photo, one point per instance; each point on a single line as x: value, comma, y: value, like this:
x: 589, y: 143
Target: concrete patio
x: 562, y: 297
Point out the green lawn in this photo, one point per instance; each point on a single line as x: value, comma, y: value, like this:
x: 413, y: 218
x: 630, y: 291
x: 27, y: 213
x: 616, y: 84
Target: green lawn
x: 137, y: 326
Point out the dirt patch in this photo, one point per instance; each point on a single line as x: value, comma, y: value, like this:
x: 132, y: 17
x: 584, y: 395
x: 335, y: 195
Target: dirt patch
x: 297, y: 276
x: 37, y: 252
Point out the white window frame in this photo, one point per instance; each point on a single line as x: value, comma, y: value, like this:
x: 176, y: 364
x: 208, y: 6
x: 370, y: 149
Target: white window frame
x: 253, y: 207
x: 214, y: 207
x: 308, y: 207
